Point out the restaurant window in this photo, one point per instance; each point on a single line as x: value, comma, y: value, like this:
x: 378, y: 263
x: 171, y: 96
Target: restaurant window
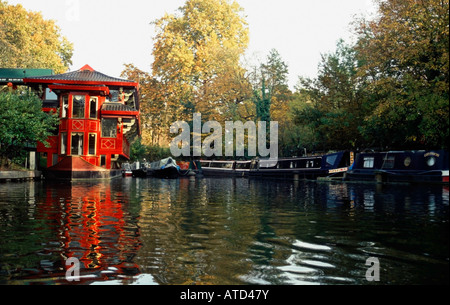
x: 109, y: 128
x: 93, y: 107
x: 64, y: 106
x: 102, y: 160
x: 63, y: 143
x: 114, y: 95
x: 54, y: 159
x: 78, y: 103
x: 92, y: 143
x: 77, y: 144
x: 42, y: 160
x: 369, y: 162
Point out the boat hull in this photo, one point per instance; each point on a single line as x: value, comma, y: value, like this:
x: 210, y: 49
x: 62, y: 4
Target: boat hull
x: 311, y: 174
x: 166, y: 173
x: 398, y: 176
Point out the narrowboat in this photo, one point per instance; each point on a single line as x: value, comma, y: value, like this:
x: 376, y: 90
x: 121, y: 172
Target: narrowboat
x: 311, y: 167
x: 99, y: 119
x: 140, y: 170
x: 401, y: 166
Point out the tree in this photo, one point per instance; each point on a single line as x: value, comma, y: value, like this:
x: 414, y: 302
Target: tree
x: 389, y: 90
x: 27, y: 40
x: 22, y: 123
x: 269, y: 85
x: 405, y: 52
x: 154, y: 114
x: 336, y: 95
x: 196, y: 58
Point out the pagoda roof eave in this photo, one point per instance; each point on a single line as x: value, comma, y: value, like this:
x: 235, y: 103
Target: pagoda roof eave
x: 85, y: 76
x: 80, y: 82
x: 101, y: 88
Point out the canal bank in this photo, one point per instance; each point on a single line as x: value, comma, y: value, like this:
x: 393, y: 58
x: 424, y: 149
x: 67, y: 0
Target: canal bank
x: 19, y: 175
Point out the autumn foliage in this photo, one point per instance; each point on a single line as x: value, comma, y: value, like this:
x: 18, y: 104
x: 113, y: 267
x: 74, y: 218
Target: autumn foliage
x: 27, y: 40
x: 388, y: 89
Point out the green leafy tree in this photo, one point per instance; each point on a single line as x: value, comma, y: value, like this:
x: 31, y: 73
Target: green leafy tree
x: 269, y: 85
x: 336, y: 98
x: 22, y: 124
x: 405, y: 52
x: 390, y: 90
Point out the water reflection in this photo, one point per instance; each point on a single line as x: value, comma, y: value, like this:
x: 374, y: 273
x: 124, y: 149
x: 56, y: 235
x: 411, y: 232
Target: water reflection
x: 223, y: 231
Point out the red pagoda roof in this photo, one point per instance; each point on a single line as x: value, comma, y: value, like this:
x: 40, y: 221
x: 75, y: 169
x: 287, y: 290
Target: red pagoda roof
x: 86, y: 76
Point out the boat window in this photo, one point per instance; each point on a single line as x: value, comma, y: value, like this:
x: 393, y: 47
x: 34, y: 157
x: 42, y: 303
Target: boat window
x: 222, y: 165
x: 330, y: 160
x: 243, y: 165
x: 431, y: 161
x: 228, y: 165
x: 285, y: 164
x: 109, y: 128
x: 310, y: 164
x: 407, y: 161
x: 268, y: 164
x: 388, y: 162
x: 204, y: 164
x: 368, y: 162
x: 78, y: 102
x: 77, y: 144
x: 300, y: 164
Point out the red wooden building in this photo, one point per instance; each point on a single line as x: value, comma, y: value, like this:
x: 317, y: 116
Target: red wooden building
x: 99, y: 119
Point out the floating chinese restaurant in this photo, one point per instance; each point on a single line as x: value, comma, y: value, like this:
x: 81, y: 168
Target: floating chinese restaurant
x: 99, y: 119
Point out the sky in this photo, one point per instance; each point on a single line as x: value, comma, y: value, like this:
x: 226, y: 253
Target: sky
x: 110, y: 33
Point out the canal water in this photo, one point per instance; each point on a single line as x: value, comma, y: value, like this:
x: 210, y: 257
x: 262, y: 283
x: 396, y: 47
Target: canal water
x: 223, y: 231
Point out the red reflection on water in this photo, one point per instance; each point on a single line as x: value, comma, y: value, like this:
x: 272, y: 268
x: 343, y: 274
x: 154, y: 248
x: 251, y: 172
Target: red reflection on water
x: 92, y: 227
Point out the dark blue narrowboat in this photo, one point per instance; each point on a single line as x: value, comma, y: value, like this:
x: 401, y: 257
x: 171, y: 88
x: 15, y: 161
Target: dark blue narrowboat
x: 400, y: 166
x: 311, y: 167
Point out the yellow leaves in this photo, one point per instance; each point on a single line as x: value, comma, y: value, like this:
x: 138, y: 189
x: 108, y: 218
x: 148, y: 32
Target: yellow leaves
x: 194, y: 50
x: 27, y: 40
